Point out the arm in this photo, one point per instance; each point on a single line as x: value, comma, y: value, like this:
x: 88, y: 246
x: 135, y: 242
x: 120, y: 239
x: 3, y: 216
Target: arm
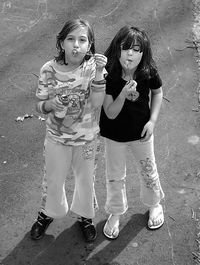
x: 44, y: 104
x: 99, y: 83
x: 113, y: 107
x: 48, y: 105
x: 156, y: 102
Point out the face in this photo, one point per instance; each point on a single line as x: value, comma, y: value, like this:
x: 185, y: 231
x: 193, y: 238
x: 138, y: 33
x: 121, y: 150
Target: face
x: 130, y: 58
x: 76, y: 45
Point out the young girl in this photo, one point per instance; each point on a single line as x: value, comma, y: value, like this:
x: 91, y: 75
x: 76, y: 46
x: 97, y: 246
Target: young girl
x: 127, y: 118
x: 71, y: 87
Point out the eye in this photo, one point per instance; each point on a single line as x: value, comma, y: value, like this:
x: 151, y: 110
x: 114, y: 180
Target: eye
x: 136, y: 49
x: 124, y: 47
x: 83, y: 40
x: 69, y: 38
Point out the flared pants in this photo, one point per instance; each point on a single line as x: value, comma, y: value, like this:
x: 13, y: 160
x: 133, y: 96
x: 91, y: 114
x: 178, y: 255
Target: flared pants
x: 59, y: 160
x: 150, y: 189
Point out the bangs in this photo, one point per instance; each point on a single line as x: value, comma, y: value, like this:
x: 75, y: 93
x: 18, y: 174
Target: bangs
x: 132, y: 40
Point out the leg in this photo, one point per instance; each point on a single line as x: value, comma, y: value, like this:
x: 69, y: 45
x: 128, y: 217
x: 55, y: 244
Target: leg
x: 54, y: 202
x: 116, y: 202
x: 57, y: 165
x: 151, y: 191
x: 84, y: 199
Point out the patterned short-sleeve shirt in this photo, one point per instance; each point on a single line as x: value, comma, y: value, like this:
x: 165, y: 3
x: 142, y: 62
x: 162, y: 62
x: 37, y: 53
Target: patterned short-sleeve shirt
x: 77, y: 124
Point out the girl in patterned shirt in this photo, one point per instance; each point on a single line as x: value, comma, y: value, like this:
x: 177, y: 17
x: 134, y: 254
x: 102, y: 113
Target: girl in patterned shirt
x: 70, y: 89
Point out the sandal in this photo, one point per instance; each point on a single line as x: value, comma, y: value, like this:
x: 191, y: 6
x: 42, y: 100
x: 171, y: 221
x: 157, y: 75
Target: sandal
x: 156, y: 217
x: 109, y: 231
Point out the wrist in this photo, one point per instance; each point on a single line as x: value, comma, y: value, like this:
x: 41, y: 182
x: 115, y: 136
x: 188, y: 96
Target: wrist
x: 100, y: 69
x: 99, y: 74
x: 153, y: 120
x: 98, y: 85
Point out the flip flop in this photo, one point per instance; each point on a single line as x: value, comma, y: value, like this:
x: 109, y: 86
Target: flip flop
x: 113, y: 231
x: 159, y: 216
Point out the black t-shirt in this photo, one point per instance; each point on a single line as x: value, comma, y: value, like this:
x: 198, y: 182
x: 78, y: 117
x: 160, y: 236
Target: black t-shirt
x: 129, y: 123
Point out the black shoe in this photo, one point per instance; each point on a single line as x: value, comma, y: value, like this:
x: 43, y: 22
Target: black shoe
x: 88, y: 229
x: 40, y: 226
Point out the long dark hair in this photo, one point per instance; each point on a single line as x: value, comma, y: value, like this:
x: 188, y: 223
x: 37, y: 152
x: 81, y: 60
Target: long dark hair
x: 69, y: 27
x: 126, y: 37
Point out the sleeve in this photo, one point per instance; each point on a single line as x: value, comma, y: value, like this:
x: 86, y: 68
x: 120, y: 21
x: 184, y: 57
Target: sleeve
x: 42, y: 92
x: 42, y: 88
x: 109, y: 86
x: 155, y: 81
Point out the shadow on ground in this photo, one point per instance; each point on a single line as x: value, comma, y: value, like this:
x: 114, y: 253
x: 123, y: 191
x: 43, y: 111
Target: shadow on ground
x: 69, y: 248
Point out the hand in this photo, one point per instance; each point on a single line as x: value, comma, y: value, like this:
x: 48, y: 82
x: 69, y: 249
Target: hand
x: 147, y: 131
x: 129, y: 87
x: 101, y: 61
x: 54, y: 104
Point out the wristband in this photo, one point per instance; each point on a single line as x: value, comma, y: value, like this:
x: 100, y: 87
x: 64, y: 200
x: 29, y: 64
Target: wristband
x: 98, y: 88
x: 100, y: 82
x: 43, y: 110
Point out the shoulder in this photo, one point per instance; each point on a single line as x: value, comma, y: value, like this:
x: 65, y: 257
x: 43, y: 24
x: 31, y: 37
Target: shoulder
x: 47, y: 66
x: 155, y: 79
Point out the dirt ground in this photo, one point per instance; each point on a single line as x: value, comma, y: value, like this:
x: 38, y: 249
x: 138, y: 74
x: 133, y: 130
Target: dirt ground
x: 27, y: 40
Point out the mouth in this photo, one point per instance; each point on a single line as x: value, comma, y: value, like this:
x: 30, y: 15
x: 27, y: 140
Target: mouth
x: 128, y: 63
x: 75, y: 52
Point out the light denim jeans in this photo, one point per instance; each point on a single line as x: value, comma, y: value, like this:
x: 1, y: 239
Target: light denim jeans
x: 150, y: 189
x: 59, y: 159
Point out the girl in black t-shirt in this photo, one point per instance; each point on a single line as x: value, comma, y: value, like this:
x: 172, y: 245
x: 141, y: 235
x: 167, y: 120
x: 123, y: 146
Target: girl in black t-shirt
x: 128, y: 118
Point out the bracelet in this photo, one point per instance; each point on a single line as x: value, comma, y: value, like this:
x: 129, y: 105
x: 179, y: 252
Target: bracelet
x: 99, y: 82
x: 98, y: 88
x: 43, y: 108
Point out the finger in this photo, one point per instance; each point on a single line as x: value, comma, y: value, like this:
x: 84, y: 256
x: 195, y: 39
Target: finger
x: 143, y: 139
x: 145, y: 132
x: 145, y: 135
x: 101, y: 61
x: 101, y: 58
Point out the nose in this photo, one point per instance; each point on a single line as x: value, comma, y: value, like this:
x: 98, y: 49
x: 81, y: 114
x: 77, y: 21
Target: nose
x: 130, y: 51
x: 76, y: 43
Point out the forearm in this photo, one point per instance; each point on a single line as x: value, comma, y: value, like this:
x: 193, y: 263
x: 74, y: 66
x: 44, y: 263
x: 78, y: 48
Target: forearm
x: 113, y: 109
x: 156, y: 102
x: 98, y: 87
x: 43, y: 107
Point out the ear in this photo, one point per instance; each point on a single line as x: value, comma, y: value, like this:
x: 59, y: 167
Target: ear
x: 61, y: 44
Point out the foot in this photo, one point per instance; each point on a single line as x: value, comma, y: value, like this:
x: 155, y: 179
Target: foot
x: 111, y: 227
x: 88, y: 229
x: 156, y: 217
x: 40, y: 226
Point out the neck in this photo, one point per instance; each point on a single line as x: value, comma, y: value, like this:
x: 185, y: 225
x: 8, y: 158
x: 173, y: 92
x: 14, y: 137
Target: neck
x: 70, y: 66
x: 128, y: 74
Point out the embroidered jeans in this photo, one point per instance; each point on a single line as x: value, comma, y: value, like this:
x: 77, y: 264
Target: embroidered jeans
x: 150, y: 189
x: 59, y: 159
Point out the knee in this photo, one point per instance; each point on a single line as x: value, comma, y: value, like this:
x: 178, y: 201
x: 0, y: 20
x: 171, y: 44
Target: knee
x: 119, y: 183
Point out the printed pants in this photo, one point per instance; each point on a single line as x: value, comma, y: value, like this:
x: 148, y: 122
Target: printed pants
x: 150, y: 189
x: 59, y: 159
